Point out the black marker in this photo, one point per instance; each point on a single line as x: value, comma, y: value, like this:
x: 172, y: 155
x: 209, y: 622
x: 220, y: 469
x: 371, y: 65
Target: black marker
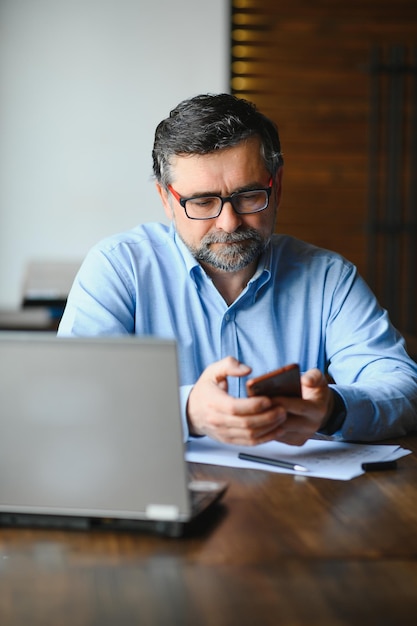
x: 379, y: 465
x: 268, y: 461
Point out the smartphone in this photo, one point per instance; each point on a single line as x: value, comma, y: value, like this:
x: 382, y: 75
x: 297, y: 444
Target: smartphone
x: 284, y: 381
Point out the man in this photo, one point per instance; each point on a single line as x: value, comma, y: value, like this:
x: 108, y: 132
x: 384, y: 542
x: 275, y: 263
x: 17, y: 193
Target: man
x: 241, y: 300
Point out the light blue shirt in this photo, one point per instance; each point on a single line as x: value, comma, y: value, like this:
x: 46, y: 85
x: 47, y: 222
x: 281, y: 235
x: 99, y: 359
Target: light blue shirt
x: 304, y: 304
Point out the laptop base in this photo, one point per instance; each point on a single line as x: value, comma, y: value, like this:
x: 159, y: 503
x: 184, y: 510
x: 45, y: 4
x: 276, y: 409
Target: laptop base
x: 75, y: 523
x: 206, y: 503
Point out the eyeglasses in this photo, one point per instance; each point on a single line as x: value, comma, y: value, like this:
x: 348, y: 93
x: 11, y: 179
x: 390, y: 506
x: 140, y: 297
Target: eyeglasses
x: 210, y: 207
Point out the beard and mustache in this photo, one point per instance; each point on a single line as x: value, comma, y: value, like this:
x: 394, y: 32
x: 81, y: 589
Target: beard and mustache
x: 241, y: 248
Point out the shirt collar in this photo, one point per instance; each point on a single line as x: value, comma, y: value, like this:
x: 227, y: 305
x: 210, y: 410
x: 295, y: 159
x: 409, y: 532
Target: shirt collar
x: 190, y: 262
x: 263, y: 271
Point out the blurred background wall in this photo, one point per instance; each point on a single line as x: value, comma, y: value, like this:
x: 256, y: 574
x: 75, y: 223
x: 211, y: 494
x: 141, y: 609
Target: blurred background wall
x: 340, y: 80
x: 83, y: 84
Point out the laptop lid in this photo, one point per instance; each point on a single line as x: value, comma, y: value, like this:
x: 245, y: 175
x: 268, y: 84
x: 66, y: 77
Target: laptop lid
x: 91, y: 428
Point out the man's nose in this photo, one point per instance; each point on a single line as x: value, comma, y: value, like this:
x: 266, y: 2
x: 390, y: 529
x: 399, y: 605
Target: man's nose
x: 228, y: 220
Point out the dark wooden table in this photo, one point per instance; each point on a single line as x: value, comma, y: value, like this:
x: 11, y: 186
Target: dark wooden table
x: 281, y: 550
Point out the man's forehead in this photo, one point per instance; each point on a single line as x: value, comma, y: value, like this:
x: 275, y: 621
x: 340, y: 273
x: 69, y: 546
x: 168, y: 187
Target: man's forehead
x: 246, y: 154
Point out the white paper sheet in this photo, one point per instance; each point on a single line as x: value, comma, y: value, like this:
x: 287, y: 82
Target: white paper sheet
x: 323, y: 459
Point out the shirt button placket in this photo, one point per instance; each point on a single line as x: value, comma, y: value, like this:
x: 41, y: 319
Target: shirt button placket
x: 229, y: 345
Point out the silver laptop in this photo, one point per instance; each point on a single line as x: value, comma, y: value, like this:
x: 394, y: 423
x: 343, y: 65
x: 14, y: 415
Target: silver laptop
x: 91, y: 435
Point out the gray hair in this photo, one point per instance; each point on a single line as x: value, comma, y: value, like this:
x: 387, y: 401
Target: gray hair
x: 210, y: 122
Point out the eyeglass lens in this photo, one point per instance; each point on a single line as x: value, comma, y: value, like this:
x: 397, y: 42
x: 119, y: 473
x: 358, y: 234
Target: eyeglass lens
x: 205, y: 207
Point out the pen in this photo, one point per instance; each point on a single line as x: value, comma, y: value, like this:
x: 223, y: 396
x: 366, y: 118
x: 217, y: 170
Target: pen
x: 268, y: 461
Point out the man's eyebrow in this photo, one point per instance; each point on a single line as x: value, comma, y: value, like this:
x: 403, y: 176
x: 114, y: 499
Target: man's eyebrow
x: 251, y: 187
x: 247, y: 187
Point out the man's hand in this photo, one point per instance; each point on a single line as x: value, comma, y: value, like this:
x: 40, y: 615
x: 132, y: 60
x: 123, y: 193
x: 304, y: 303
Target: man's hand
x: 306, y: 415
x: 213, y: 412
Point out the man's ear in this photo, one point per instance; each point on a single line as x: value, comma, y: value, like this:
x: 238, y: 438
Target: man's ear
x: 278, y: 184
x: 163, y: 194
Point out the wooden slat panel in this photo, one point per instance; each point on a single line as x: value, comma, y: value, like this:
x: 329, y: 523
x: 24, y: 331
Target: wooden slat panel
x: 306, y: 65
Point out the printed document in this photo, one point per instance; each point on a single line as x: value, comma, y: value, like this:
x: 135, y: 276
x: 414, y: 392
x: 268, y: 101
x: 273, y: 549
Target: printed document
x: 322, y: 458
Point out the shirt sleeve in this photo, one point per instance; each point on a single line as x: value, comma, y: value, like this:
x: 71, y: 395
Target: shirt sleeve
x: 101, y: 300
x: 373, y: 374
x: 184, y: 393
